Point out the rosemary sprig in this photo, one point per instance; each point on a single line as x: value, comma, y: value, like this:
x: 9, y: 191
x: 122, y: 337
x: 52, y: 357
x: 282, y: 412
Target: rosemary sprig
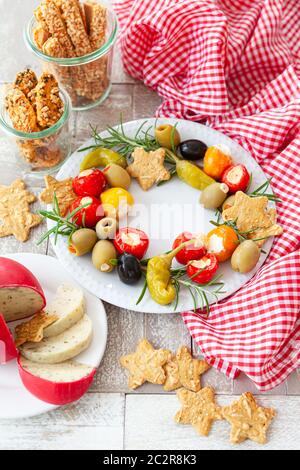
x: 198, y: 292
x: 119, y: 141
x: 262, y: 191
x: 142, y: 293
x: 64, y: 225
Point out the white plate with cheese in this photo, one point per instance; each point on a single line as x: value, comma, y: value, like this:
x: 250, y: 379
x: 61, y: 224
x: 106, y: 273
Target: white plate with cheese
x: 15, y: 401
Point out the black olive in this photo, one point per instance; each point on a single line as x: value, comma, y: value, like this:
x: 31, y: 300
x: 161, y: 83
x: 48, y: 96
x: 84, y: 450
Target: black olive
x: 192, y: 149
x: 129, y: 269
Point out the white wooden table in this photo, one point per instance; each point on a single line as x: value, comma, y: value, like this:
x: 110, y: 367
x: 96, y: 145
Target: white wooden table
x: 110, y: 416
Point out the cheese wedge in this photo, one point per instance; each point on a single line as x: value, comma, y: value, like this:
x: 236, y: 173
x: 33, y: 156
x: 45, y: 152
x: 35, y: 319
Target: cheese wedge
x: 69, y: 306
x: 69, y: 371
x: 62, y: 347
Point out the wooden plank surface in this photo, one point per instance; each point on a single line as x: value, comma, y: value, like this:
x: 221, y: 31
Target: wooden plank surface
x: 149, y: 424
x: 97, y: 420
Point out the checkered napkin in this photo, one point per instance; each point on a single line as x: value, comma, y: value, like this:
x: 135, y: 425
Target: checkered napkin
x: 235, y: 65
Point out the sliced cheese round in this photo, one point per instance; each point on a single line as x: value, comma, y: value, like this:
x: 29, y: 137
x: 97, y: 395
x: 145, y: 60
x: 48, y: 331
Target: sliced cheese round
x: 69, y: 306
x: 69, y: 371
x: 63, y: 347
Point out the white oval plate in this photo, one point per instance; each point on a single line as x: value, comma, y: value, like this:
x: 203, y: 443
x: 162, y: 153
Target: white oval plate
x: 15, y: 400
x: 166, y: 202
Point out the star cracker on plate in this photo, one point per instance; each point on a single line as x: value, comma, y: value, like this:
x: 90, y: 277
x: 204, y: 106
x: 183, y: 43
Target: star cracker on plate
x: 63, y: 190
x: 148, y: 167
x: 33, y: 330
x: 251, y: 214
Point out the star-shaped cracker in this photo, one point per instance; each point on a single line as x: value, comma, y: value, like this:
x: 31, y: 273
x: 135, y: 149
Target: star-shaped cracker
x: 251, y: 214
x: 198, y: 409
x: 248, y: 420
x: 184, y: 371
x: 145, y: 365
x: 148, y: 167
x: 261, y: 234
x: 33, y: 330
x: 63, y: 190
x: 15, y: 215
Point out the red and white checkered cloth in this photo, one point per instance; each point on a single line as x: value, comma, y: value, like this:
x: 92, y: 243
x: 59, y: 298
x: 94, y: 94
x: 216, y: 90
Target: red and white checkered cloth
x: 235, y: 65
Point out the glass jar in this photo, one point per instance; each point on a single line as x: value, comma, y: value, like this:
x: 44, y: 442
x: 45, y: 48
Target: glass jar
x: 39, y: 153
x: 87, y: 79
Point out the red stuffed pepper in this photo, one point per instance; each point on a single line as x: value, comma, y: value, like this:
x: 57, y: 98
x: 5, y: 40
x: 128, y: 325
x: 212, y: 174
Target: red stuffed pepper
x: 89, y: 183
x: 190, y: 252
x: 203, y: 270
x: 90, y: 214
x: 132, y: 241
x: 236, y: 177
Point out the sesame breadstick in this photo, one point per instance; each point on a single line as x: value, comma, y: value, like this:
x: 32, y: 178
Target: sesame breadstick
x: 41, y: 20
x: 49, y: 106
x: 82, y: 12
x: 97, y: 23
x: 56, y: 26
x: 40, y: 36
x: 71, y: 14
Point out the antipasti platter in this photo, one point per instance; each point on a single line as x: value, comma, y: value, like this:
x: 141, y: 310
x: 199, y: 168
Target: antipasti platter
x: 161, y: 213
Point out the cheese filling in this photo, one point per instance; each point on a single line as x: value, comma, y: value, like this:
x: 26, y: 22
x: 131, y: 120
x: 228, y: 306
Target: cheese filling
x: 234, y: 175
x: 215, y: 244
x: 202, y: 263
x: 132, y: 239
x: 85, y: 173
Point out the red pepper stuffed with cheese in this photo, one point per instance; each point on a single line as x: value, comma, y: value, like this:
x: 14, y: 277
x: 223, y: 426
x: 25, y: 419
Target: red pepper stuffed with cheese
x: 203, y: 270
x: 132, y: 241
x: 236, y: 177
x: 189, y: 252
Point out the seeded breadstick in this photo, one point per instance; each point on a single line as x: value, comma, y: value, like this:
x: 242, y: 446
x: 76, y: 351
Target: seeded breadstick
x: 40, y: 19
x: 82, y: 12
x: 97, y: 23
x: 56, y: 26
x: 40, y: 36
x: 58, y: 3
x: 21, y: 112
x: 49, y: 106
x: 53, y: 48
x: 71, y: 13
x: 32, y: 98
x: 26, y: 81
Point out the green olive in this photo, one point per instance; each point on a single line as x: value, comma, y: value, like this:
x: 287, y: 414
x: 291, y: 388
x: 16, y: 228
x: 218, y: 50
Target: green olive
x: 166, y: 135
x: 103, y: 252
x: 245, y: 257
x: 82, y: 241
x: 116, y: 176
x: 229, y: 202
x: 214, y: 195
x: 106, y: 228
